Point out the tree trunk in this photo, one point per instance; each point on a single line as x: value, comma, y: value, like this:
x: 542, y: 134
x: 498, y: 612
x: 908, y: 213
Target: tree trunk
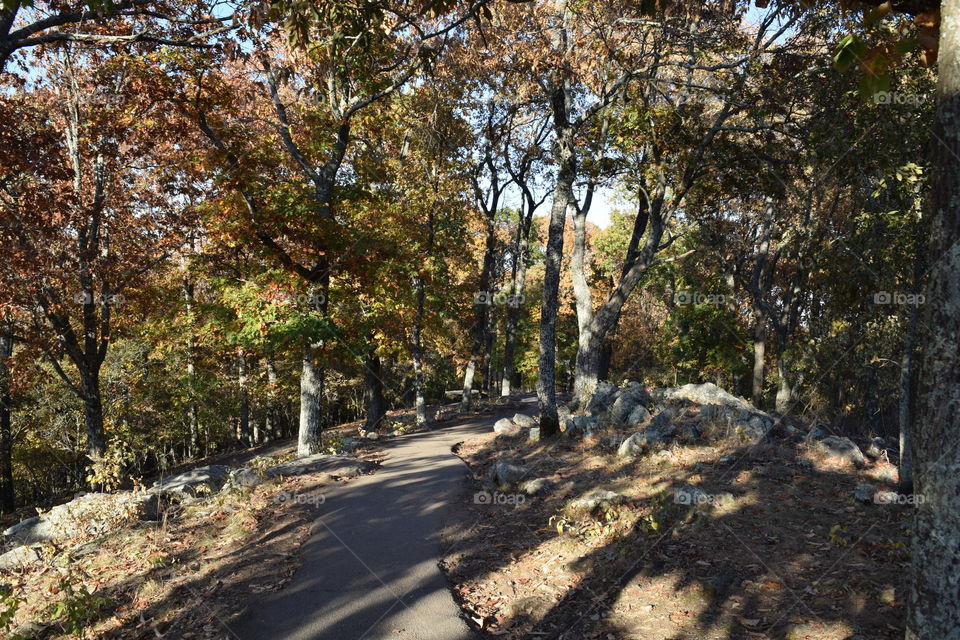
x: 466, y: 399
x: 785, y: 391
x: 93, y: 413
x: 243, y: 430
x: 515, y: 303
x: 373, y: 392
x: 759, y: 361
x: 7, y: 497
x: 935, y: 547
x: 566, y: 162
x: 193, y: 427
x: 420, y: 402
x: 311, y: 399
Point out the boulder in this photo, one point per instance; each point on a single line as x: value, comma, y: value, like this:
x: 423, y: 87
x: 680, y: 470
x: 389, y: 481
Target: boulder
x: 506, y: 427
x: 535, y: 486
x: 242, y: 479
x: 663, y: 419
x: 581, y: 426
x: 505, y: 473
x: 534, y: 435
x: 88, y: 514
x: 333, y: 466
x: 19, y: 557
x: 691, y: 432
x: 690, y: 495
x: 816, y: 434
x: 879, y: 447
x: 201, y: 480
x: 842, y: 449
x: 706, y: 393
x: 639, y: 415
x: 864, y: 493
x: 350, y: 444
x: 602, y: 399
x: 753, y: 426
x: 596, y: 498
x: 628, y: 399
x: 372, y: 435
x: 524, y: 420
x: 645, y: 439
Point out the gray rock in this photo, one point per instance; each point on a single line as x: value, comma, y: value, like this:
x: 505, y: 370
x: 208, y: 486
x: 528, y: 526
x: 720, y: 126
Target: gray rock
x: 201, y: 480
x: 805, y: 465
x: 816, y: 434
x: 639, y: 415
x: 663, y: 419
x: 534, y: 435
x: 505, y: 473
x: 18, y: 557
x: 727, y: 459
x: 879, y: 447
x: 323, y: 463
x: 242, y: 479
x: 706, y: 393
x: 580, y: 426
x: 690, y: 495
x: 372, y: 435
x: 536, y: 486
x: 506, y: 427
x: 628, y: 399
x: 350, y: 444
x: 524, y: 420
x: 563, y: 414
x: 88, y: 514
x: 645, y: 439
x: 842, y: 448
x: 602, y: 399
x: 864, y: 493
x: 754, y: 427
x: 691, y: 432
x: 596, y: 498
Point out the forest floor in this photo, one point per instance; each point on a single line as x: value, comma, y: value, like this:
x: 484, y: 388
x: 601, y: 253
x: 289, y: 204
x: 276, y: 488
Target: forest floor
x: 782, y: 550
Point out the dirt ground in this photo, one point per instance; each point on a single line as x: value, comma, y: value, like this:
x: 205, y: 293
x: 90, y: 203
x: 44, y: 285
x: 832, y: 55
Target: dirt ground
x: 781, y: 550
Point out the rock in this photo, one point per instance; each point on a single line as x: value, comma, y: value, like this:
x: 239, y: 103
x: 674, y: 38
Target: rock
x: 638, y: 415
x: 31, y: 631
x: 843, y: 449
x: 201, y: 480
x: 350, y: 444
x: 506, y: 427
x: 712, y: 412
x: 706, y: 393
x: 864, y: 493
x: 596, y: 498
x: 727, y: 459
x: 628, y: 399
x: 334, y: 466
x: 88, y: 514
x: 242, y: 479
x: 663, y: 419
x: 879, y: 447
x: 536, y: 486
x: 19, y: 557
x: 581, y: 426
x: 753, y: 426
x: 534, y: 435
x: 563, y: 414
x: 524, y: 420
x: 612, y: 442
x: 690, y: 432
x: 793, y: 434
x: 602, y: 399
x: 372, y: 435
x: 505, y: 473
x: 805, y: 465
x: 816, y: 434
x: 645, y: 439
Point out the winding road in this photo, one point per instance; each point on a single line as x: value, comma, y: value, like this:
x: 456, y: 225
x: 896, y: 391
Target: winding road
x: 370, y: 567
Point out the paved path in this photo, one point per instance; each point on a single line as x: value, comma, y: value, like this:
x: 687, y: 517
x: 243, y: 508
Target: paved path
x: 370, y: 566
